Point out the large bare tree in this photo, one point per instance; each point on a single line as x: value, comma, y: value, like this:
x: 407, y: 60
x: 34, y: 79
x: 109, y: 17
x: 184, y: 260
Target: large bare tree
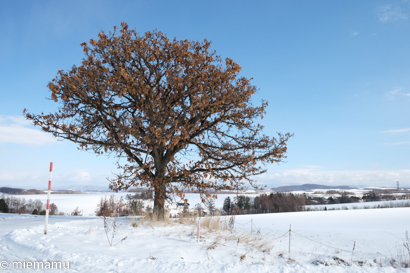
x: 182, y: 119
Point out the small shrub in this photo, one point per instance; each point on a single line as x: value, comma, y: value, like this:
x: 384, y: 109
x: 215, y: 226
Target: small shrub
x: 76, y: 212
x: 134, y: 224
x: 53, y: 209
x: 231, y: 222
x: 3, y: 206
x: 110, y: 228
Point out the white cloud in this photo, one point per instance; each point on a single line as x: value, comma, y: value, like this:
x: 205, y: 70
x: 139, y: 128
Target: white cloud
x: 38, y: 179
x: 384, y: 178
x: 404, y: 130
x: 354, y: 33
x: 390, y: 13
x: 397, y: 92
x: 15, y: 130
x: 13, y: 177
x: 397, y: 143
x: 79, y: 176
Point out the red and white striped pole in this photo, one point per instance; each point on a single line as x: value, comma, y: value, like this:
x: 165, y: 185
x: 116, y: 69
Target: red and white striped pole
x: 118, y: 209
x: 48, y: 197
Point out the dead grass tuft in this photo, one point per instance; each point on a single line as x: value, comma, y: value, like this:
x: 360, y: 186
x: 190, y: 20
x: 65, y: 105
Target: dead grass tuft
x: 188, y: 220
x: 218, y: 223
x: 90, y: 230
x: 291, y: 261
x: 134, y: 223
x: 360, y: 263
x: 340, y: 261
x: 213, y: 246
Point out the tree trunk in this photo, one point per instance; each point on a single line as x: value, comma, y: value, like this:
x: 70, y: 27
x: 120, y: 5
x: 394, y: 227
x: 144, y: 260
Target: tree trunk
x: 159, y: 202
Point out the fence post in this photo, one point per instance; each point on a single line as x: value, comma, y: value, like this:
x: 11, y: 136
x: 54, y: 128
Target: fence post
x: 354, y: 246
x: 198, y: 227
x: 290, y: 231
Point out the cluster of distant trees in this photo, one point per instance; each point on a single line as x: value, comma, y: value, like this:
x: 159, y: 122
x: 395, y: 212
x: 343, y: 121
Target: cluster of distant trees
x: 345, y: 197
x: 288, y: 202
x: 12, y: 204
x: 348, y: 197
x: 132, y: 205
x: 140, y: 195
x: 264, y: 203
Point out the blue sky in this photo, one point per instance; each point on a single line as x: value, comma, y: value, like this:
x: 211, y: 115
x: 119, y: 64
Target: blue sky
x: 335, y: 73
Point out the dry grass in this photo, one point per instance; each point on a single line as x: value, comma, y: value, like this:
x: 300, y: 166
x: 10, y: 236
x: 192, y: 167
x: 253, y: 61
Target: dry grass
x: 212, y: 223
x: 90, y: 230
x: 134, y: 223
x: 402, y: 260
x: 218, y: 223
x: 188, y: 220
x: 151, y: 220
x: 340, y: 261
x: 219, y: 229
x: 213, y: 246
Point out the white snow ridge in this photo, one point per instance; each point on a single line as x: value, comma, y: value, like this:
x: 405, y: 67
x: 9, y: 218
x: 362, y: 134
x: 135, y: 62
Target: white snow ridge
x: 320, y: 241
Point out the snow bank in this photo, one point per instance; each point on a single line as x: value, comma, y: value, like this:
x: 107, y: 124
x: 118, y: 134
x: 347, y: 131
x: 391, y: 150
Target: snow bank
x: 320, y: 242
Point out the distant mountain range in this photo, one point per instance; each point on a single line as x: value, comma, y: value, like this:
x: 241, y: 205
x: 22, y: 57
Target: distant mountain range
x: 86, y: 188
x: 9, y: 190
x: 17, y: 191
x: 82, y: 188
x: 308, y: 187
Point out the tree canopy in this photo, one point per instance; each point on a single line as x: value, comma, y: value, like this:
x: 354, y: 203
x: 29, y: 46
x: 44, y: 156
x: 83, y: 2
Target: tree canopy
x: 157, y: 102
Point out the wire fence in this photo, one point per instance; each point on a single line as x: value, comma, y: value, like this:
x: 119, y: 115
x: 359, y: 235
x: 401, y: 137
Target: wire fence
x: 295, y: 243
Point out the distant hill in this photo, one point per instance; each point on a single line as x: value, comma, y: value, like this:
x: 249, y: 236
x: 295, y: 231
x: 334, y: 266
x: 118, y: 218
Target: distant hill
x: 17, y: 191
x: 86, y: 188
x: 308, y: 187
x: 9, y: 190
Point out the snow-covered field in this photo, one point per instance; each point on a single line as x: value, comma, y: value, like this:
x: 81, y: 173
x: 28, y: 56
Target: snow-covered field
x: 320, y: 241
x: 362, y: 205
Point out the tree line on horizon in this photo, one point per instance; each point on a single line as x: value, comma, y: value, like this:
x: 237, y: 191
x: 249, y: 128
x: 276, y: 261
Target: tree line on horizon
x: 12, y: 204
x: 289, y: 202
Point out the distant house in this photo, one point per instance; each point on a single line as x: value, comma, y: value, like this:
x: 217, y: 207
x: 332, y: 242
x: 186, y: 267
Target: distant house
x: 180, y: 206
x: 177, y: 209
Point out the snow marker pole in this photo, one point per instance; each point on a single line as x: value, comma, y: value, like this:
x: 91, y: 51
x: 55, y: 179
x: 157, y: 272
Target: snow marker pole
x: 290, y: 230
x: 118, y: 209
x: 48, y: 197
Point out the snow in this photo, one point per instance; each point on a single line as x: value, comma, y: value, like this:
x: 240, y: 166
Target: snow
x: 326, y: 245
x: 361, y: 205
